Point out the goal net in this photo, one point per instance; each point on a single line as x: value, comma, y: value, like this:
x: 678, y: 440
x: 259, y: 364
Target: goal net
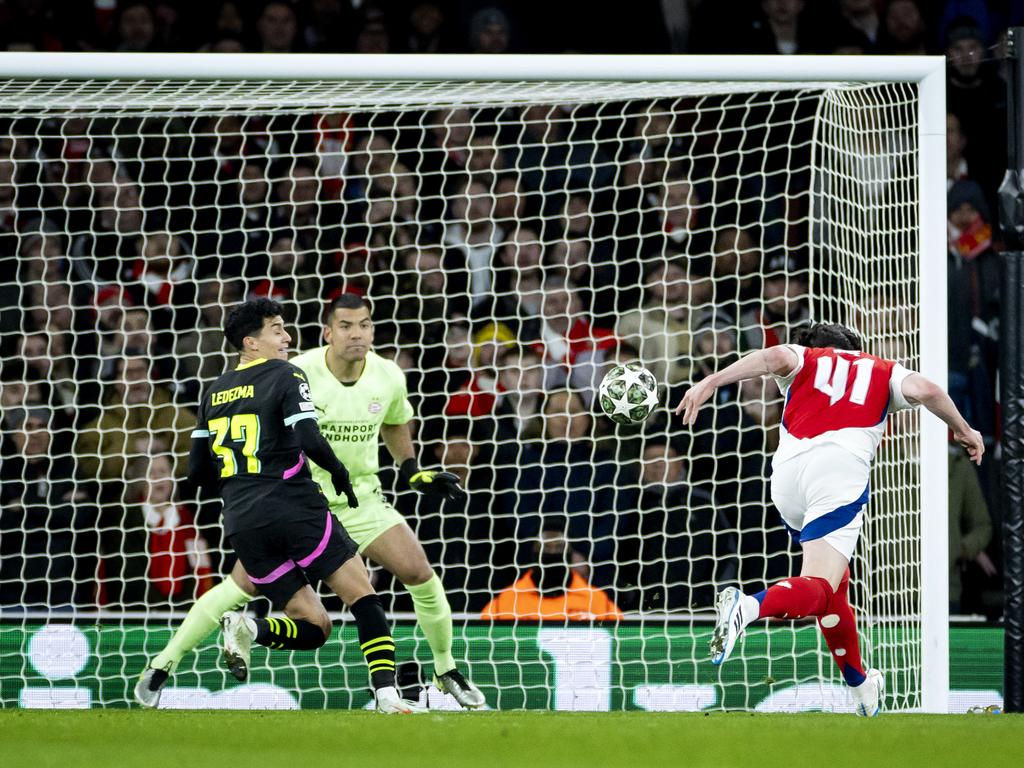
x: 516, y: 240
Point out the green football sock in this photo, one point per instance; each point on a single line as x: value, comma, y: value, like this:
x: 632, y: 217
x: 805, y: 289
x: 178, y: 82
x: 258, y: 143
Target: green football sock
x: 434, y: 616
x: 202, y: 619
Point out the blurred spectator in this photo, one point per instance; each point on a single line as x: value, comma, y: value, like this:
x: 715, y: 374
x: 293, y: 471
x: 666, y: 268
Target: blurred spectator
x: 538, y: 144
x: 737, y: 267
x: 903, y: 29
x: 567, y: 337
x: 956, y: 163
x: 521, y: 375
x: 101, y: 253
x: 229, y: 22
x: 783, y: 307
x: 974, y: 287
x: 974, y: 12
x: 327, y: 24
x: 373, y: 37
x: 782, y: 27
x: 518, y: 278
x: 47, y: 363
x: 660, y: 328
x: 970, y: 530
x: 489, y: 31
x: 977, y: 97
x: 472, y: 238
x: 136, y: 28
x: 160, y: 278
x: 479, y: 394
x: 551, y: 590
x: 45, y: 519
x: 201, y: 354
x: 669, y: 548
x: 570, y: 477
x: 277, y: 28
x: 150, y: 550
x: 426, y: 29
x: 139, y: 418
x: 860, y: 24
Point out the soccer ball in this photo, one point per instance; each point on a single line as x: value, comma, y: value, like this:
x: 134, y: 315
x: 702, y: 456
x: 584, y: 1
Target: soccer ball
x: 628, y: 393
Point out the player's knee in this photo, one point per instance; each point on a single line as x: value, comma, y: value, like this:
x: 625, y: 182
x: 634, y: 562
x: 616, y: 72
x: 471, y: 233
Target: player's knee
x: 416, y: 573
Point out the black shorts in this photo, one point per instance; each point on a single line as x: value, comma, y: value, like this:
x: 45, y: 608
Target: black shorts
x: 283, y: 557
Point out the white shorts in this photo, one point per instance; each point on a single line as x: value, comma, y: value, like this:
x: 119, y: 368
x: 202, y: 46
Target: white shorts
x: 821, y: 494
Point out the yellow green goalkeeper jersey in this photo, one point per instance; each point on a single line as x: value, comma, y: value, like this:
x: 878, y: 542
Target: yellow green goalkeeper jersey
x: 350, y: 416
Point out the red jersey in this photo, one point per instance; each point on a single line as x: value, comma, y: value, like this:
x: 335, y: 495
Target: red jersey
x: 839, y: 396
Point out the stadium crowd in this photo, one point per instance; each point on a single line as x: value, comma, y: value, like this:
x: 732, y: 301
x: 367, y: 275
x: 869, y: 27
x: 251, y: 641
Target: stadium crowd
x: 512, y: 256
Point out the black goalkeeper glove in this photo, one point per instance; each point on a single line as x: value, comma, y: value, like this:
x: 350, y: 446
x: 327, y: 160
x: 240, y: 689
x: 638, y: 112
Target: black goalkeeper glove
x: 428, y: 481
x: 343, y: 486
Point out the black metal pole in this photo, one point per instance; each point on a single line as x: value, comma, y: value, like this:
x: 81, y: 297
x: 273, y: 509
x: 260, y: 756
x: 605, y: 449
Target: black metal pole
x: 1011, y: 377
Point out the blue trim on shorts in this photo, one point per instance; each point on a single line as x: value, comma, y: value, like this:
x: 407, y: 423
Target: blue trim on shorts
x: 834, y: 520
x: 794, y: 534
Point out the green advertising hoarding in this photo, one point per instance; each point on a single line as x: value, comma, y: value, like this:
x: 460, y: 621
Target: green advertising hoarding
x: 652, y: 666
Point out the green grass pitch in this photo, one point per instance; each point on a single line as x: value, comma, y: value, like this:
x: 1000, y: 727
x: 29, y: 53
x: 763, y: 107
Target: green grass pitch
x: 38, y: 739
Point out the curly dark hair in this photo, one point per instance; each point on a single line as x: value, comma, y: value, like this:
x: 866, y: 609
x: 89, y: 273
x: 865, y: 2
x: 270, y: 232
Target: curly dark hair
x: 829, y: 335
x: 247, y: 319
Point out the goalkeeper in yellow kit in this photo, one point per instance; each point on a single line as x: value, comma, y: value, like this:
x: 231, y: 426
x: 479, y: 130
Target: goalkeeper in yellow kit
x: 359, y: 397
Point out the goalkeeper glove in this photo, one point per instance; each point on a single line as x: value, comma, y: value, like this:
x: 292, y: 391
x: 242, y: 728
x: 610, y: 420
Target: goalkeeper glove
x: 343, y: 487
x: 428, y: 481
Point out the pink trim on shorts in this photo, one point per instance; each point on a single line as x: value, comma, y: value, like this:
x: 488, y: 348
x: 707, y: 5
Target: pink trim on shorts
x: 275, y: 574
x: 304, y: 562
x: 290, y: 473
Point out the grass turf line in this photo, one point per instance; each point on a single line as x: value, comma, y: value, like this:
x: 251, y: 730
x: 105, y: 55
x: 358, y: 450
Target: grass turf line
x: 39, y: 739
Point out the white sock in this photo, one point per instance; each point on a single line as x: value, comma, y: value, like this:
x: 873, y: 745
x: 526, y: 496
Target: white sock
x: 750, y: 609
x: 250, y: 625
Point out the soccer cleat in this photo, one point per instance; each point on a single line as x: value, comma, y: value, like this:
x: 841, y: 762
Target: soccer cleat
x: 455, y: 683
x: 151, y: 684
x: 237, y: 644
x: 867, y: 697
x: 390, y: 703
x: 730, y: 625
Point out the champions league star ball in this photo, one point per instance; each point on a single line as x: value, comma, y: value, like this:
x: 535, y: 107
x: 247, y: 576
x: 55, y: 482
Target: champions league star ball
x: 628, y: 393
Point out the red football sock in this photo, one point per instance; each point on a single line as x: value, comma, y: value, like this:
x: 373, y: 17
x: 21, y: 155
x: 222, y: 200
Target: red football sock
x: 839, y: 627
x: 795, y: 598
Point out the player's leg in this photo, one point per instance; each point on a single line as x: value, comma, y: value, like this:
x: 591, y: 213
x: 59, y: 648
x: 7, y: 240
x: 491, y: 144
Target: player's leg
x: 399, y: 551
x: 335, y: 561
x: 266, y: 555
x: 820, y: 496
x: 201, y: 621
x: 351, y: 583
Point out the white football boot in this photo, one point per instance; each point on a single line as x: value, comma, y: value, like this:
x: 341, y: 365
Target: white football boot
x: 390, y: 703
x: 236, y: 639
x: 455, y: 683
x: 148, y: 689
x: 730, y: 625
x: 867, y: 697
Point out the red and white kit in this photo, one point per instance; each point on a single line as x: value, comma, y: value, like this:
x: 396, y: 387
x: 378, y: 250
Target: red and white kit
x: 837, y: 402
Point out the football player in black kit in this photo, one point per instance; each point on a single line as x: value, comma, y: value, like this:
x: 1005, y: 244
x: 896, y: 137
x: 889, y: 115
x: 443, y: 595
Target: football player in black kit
x: 256, y: 427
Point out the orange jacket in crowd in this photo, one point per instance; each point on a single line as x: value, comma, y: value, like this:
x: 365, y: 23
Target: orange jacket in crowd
x: 581, y: 602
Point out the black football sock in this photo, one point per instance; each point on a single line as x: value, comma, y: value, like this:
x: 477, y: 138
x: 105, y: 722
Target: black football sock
x: 291, y: 634
x: 375, y: 641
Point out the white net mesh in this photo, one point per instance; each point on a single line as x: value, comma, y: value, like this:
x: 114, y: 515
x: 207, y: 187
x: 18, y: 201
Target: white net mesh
x: 516, y: 241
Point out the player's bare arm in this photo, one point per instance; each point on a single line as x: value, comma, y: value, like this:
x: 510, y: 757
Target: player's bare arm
x: 777, y: 361
x: 398, y: 440
x: 922, y: 391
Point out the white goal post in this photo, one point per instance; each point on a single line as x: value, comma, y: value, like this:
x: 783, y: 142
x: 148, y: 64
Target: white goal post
x: 891, y: 287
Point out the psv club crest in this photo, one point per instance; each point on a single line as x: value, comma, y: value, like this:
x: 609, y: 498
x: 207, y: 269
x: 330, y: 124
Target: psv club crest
x: 374, y: 407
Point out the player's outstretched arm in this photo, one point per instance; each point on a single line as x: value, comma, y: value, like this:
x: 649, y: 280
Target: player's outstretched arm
x: 921, y: 391
x: 319, y: 450
x: 778, y: 361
